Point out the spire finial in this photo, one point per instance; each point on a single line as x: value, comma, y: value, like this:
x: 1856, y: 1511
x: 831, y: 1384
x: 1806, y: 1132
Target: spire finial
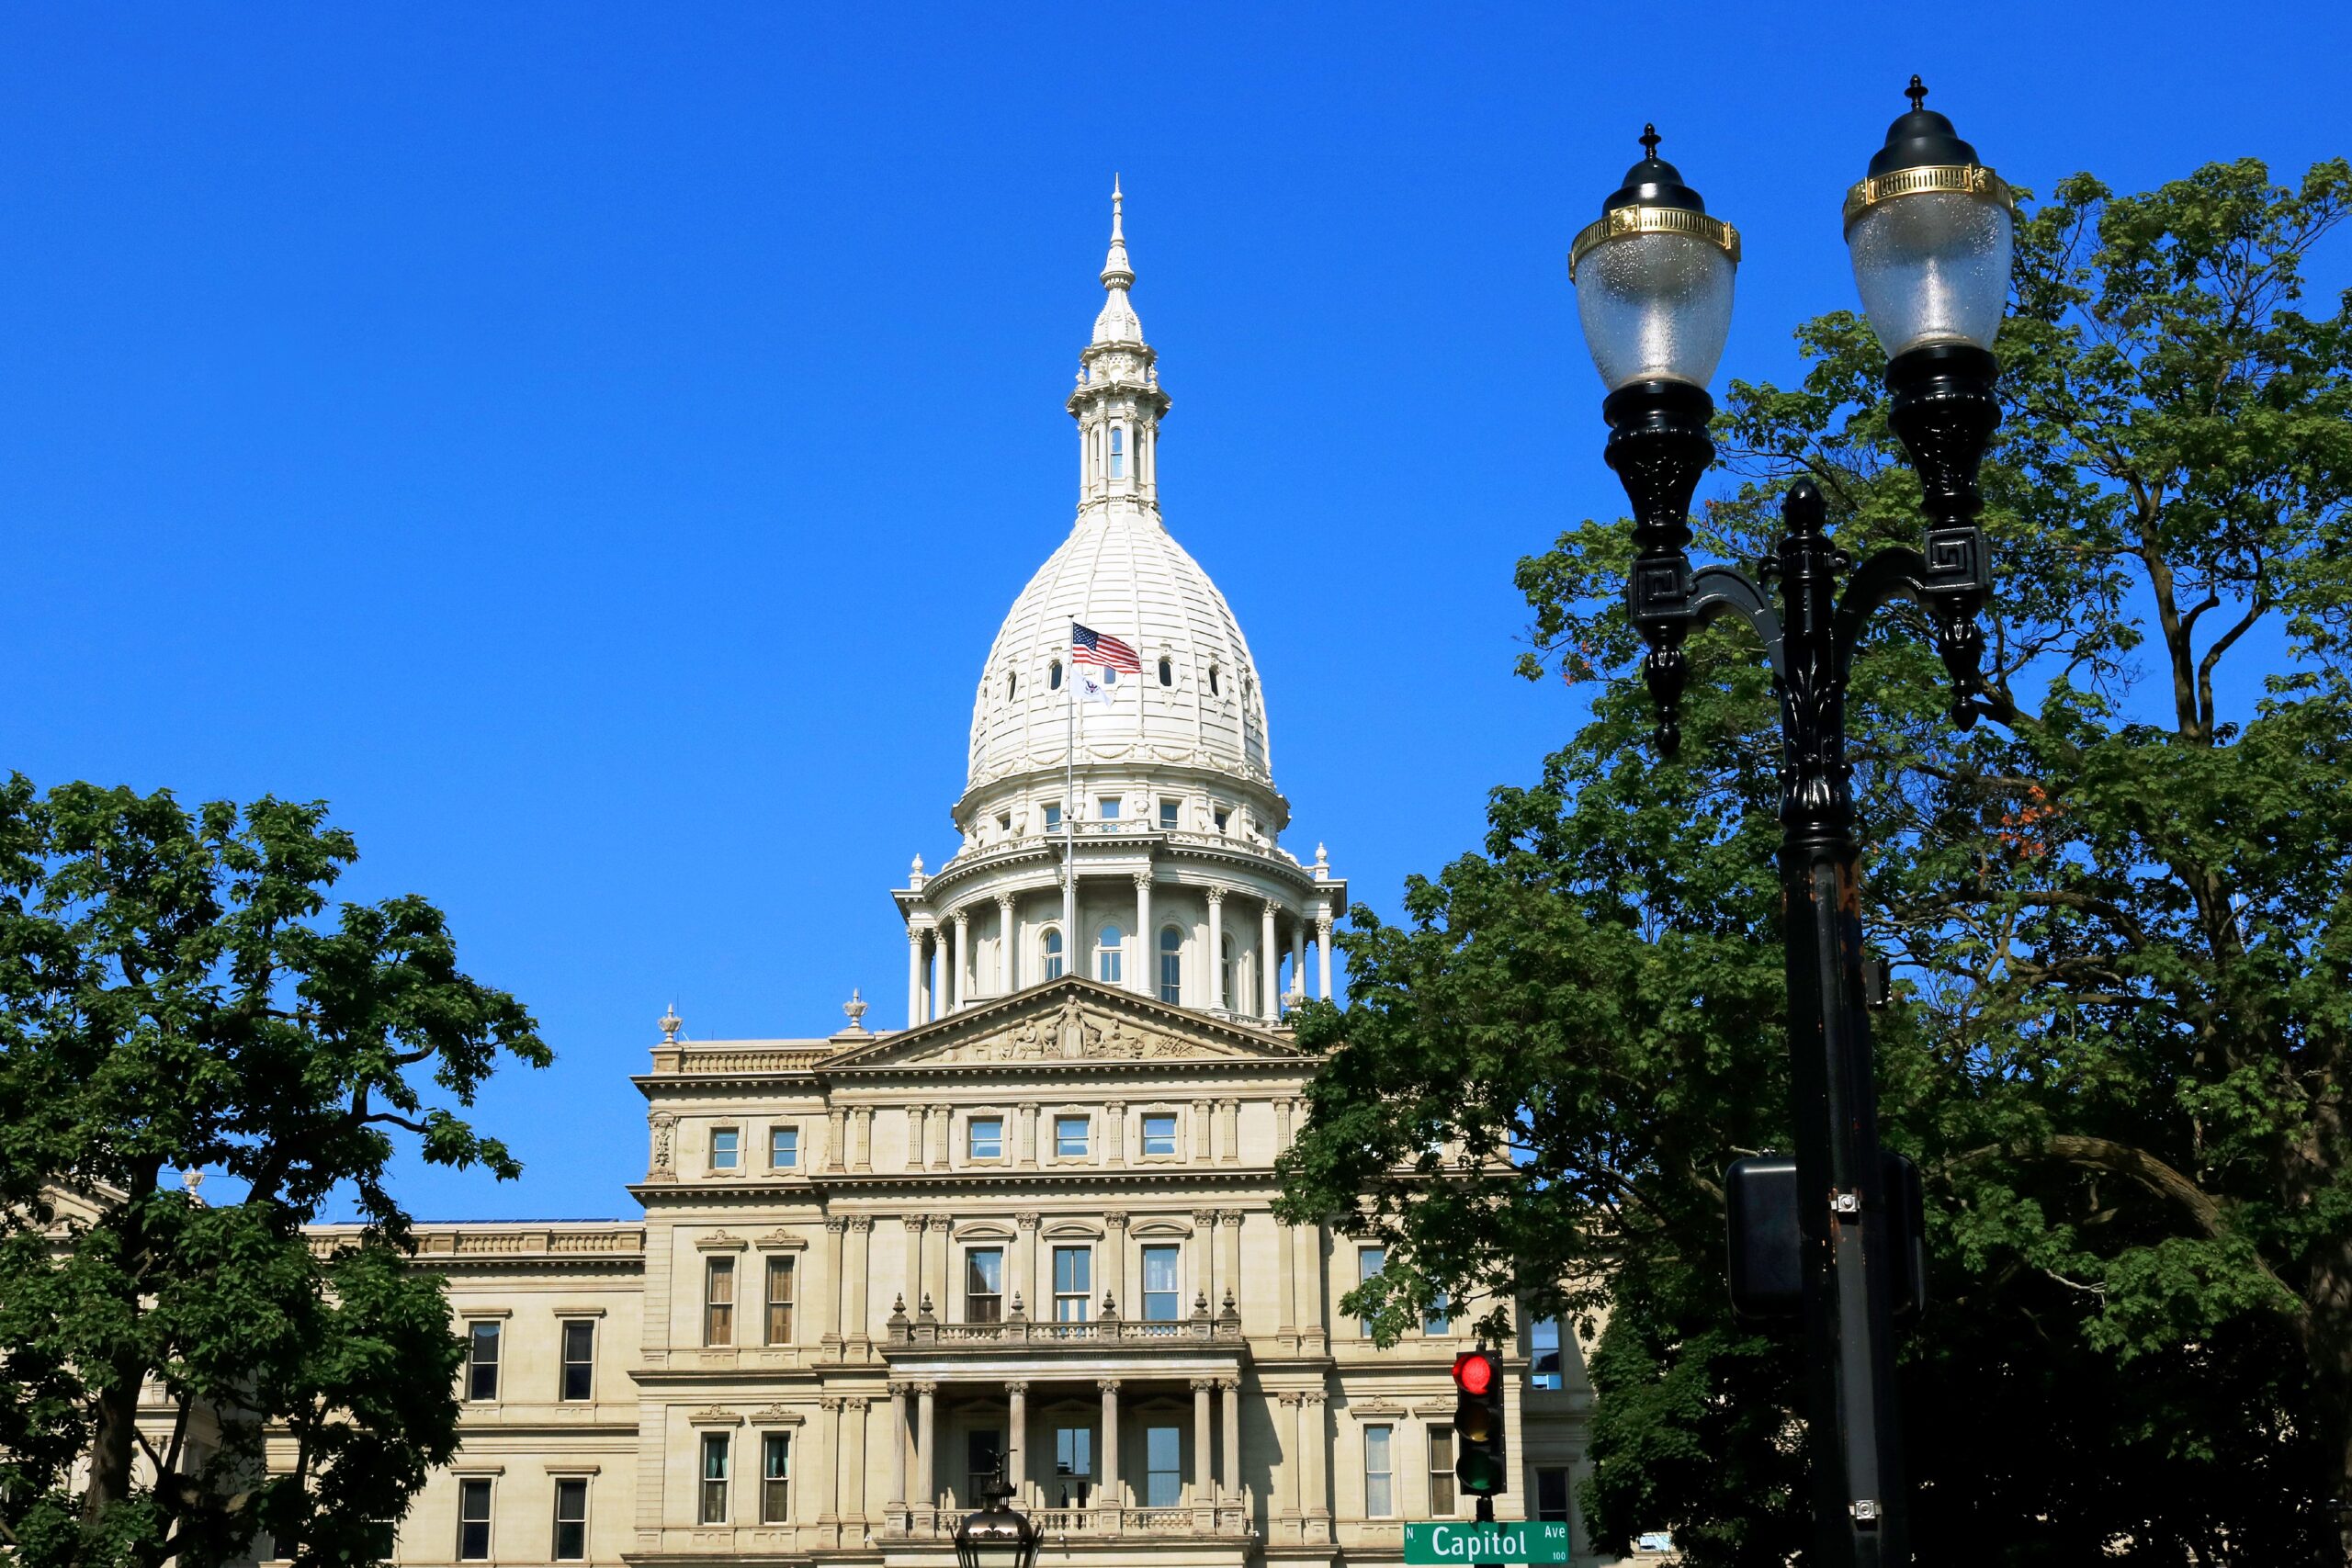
x: 1116, y: 272
x: 1118, y: 201
x: 1649, y: 138
x: 1917, y: 93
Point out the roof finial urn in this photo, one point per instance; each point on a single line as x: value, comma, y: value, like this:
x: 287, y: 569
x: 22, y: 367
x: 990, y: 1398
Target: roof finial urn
x: 670, y: 1023
x: 855, y: 1006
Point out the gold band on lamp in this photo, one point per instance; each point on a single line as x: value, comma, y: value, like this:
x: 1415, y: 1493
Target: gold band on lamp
x: 1653, y: 220
x: 1972, y: 179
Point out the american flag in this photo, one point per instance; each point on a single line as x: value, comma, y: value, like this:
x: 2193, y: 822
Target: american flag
x: 1088, y: 646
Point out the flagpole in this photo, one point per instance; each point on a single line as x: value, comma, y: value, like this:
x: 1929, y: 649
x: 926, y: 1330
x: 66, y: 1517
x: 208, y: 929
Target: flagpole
x: 1069, y: 814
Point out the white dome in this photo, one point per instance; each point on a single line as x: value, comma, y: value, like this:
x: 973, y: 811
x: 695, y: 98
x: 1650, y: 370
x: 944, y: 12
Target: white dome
x: 1120, y: 573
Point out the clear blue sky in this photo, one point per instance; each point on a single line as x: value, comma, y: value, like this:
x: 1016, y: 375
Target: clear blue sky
x: 592, y: 446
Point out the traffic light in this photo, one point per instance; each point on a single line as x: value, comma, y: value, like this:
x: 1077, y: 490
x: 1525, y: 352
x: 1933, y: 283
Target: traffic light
x: 1478, y: 1466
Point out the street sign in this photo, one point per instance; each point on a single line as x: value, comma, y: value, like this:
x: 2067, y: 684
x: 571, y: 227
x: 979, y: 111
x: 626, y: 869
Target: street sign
x: 1437, y: 1543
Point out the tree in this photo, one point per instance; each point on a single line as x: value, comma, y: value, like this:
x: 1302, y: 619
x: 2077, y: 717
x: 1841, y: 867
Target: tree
x: 171, y: 999
x: 2117, y: 906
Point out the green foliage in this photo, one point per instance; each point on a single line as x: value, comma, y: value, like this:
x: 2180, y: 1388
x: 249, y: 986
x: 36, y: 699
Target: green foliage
x: 2118, y: 906
x: 173, y: 998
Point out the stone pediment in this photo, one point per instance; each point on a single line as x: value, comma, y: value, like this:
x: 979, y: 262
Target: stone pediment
x: 1069, y: 1021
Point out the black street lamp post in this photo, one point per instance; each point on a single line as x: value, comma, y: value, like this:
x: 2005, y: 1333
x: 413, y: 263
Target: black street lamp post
x: 1930, y: 234
x: 997, y: 1536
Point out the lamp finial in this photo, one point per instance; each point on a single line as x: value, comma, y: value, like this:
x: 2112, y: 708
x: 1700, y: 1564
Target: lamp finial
x: 1649, y: 138
x: 1917, y: 92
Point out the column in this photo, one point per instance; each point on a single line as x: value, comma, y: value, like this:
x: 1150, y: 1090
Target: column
x: 1231, y: 1218
x: 1027, y: 1113
x: 1310, y: 1239
x: 1270, y: 985
x: 1204, y: 1487
x: 858, y: 1314
x: 1204, y: 1255
x: 1005, y: 972
x: 926, y: 1434
x: 849, y: 1490
x: 915, y: 976
x: 1228, y: 1148
x: 929, y: 992
x: 898, y: 1447
x: 861, y: 1137
x: 934, y: 1269
x: 1214, y: 991
x: 836, y: 1138
x: 1016, y: 1439
x: 1115, y: 1134
x: 914, y: 1295
x: 1288, y: 1472
x: 1312, y: 1446
x: 943, y: 1121
x: 1114, y: 1272
x: 1146, y: 944
x: 1286, y: 1271
x: 835, y: 1225
x: 1106, y: 1442
x: 1201, y: 1148
x: 1024, y: 1266
x: 1229, y: 1394
x: 1298, y: 955
x: 963, y: 957
x: 826, y: 1486
x: 1323, y: 951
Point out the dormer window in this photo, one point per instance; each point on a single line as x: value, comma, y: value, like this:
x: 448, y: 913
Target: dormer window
x: 1054, y: 676
x: 1011, y: 685
x: 1212, y: 681
x: 1167, y: 672
x: 1118, y: 453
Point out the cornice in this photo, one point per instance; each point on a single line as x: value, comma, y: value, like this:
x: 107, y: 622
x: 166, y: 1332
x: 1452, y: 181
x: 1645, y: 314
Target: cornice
x: 1008, y: 1184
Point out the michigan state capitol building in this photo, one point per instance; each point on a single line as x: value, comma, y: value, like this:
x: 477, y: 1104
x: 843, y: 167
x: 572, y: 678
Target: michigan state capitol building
x: 1030, y: 1232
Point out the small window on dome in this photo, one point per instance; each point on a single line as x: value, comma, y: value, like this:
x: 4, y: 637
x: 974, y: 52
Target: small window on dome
x: 1212, y: 681
x: 1118, y: 453
x: 1011, y: 685
x: 1166, y: 672
x: 1054, y: 676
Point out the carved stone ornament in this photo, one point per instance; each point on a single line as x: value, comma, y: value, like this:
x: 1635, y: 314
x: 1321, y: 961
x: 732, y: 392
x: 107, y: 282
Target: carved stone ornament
x: 777, y: 1415
x: 665, y: 1142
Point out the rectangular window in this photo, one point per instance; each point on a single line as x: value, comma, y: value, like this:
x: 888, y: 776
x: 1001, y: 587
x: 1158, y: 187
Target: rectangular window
x: 1442, y: 1470
x: 713, y: 1478
x: 571, y: 1518
x: 1544, y: 1353
x: 983, y: 1458
x: 985, y: 1137
x: 1163, y: 1466
x: 481, y: 1361
x: 1073, y: 1283
x: 1053, y: 818
x: 779, y: 1303
x: 1551, y: 1495
x: 718, y: 1302
x: 1436, y: 1322
x: 1107, y: 808
x: 1370, y: 1260
x: 473, y: 1520
x: 1070, y: 1135
x: 775, y: 1473
x: 579, y: 1359
x: 1379, y: 1474
x: 783, y: 1147
x: 1073, y: 1465
x: 1160, y: 1132
x: 1167, y: 814
x: 726, y: 1148
x: 984, y: 1284
x: 1161, y: 1301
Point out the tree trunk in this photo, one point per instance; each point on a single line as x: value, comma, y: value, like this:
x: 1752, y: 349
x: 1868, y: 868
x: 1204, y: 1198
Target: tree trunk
x: 114, y: 1447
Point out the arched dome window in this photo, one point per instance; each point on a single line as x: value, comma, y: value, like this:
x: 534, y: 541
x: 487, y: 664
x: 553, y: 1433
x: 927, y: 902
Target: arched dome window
x: 1224, y: 974
x: 1054, y: 676
x: 1171, y: 964
x: 1109, y: 945
x: 1167, y: 672
x: 1212, y: 681
x: 1011, y: 685
x: 1118, y: 453
x: 1050, y: 951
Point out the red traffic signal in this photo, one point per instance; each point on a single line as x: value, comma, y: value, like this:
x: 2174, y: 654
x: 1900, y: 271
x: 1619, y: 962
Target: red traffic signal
x: 1479, y: 1464
x: 1473, y: 1372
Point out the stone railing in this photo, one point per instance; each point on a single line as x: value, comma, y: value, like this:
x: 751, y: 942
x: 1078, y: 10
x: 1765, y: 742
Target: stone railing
x: 737, y: 1059
x: 1226, y: 1520
x: 925, y: 1330
x: 440, y: 1244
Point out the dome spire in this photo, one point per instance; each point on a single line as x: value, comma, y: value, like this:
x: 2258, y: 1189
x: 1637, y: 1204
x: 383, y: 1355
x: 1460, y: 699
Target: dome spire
x: 1116, y: 272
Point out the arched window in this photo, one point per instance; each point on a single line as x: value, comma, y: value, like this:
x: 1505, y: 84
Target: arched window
x: 1049, y: 948
x: 1054, y: 676
x: 1011, y: 685
x: 1212, y: 679
x: 1224, y: 974
x: 1110, y: 945
x: 1166, y: 672
x: 1118, y: 453
x: 1171, y: 964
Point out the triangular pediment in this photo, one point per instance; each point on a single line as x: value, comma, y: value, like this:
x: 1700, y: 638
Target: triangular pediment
x: 1070, y: 1020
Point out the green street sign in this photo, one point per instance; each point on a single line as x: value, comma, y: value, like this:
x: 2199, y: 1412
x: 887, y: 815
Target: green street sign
x: 1436, y: 1544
